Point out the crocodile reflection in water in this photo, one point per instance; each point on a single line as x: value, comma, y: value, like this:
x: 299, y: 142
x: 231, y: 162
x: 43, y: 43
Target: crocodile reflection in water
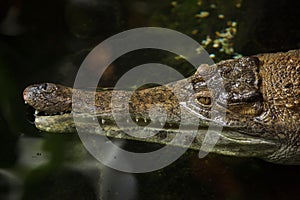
x: 261, y: 97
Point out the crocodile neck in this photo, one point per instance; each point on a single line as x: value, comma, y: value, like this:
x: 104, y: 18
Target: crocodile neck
x: 280, y: 87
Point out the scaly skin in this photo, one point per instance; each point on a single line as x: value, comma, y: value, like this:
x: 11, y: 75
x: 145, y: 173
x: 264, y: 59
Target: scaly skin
x: 260, y: 96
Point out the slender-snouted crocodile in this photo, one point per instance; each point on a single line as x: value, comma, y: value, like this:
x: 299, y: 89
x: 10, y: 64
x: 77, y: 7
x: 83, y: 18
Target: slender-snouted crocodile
x: 260, y: 98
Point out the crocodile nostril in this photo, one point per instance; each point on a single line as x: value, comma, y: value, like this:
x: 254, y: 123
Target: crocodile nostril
x: 44, y: 86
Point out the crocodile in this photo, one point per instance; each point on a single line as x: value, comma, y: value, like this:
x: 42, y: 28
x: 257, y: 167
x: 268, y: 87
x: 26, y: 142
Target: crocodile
x: 260, y: 99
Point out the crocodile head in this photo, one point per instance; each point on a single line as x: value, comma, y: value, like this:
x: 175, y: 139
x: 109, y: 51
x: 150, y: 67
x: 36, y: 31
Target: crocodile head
x: 231, y: 94
x: 229, y: 89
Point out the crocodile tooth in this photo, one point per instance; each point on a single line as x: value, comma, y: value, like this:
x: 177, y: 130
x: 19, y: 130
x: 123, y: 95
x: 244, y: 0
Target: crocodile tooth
x: 136, y: 119
x: 36, y: 112
x: 97, y: 130
x: 102, y: 121
x: 25, y: 102
x: 145, y: 120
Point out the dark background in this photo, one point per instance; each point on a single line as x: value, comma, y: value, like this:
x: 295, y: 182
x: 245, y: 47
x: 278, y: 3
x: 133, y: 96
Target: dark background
x: 46, y: 41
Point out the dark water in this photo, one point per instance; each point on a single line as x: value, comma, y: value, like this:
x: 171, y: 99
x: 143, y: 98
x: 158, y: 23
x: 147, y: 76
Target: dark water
x: 46, y: 41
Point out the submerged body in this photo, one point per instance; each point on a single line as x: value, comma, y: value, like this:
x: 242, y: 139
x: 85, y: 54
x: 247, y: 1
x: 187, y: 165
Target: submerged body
x: 260, y: 96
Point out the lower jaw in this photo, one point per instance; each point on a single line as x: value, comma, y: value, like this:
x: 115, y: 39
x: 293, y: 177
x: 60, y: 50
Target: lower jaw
x: 228, y: 141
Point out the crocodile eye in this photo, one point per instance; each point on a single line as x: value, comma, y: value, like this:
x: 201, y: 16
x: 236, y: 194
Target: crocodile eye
x: 204, y: 100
